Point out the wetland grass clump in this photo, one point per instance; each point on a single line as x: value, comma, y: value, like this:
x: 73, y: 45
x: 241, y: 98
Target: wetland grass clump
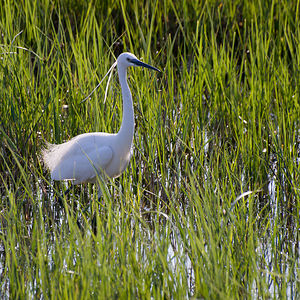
x: 209, y: 206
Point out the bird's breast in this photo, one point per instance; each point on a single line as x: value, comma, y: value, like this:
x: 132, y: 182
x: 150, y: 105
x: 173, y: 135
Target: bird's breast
x: 118, y: 164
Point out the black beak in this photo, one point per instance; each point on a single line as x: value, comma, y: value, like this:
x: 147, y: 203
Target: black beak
x: 141, y: 64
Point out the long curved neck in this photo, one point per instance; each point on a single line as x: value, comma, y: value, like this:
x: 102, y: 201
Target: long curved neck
x: 127, y: 128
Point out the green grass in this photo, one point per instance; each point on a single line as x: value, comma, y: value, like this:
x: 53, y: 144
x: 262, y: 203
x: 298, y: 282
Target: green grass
x: 221, y: 121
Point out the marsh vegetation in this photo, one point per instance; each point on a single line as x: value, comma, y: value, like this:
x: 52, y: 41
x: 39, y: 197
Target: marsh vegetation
x: 209, y: 205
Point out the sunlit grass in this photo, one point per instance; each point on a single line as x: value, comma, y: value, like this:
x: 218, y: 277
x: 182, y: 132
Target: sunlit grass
x: 209, y: 205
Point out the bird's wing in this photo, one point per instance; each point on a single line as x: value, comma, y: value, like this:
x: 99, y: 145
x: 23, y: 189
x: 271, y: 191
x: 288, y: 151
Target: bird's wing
x: 82, y: 165
x: 101, y: 157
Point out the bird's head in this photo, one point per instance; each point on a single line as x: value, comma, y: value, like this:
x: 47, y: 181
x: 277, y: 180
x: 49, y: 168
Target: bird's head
x: 127, y: 59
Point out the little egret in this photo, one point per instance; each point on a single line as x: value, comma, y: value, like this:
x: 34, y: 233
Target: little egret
x: 87, y: 155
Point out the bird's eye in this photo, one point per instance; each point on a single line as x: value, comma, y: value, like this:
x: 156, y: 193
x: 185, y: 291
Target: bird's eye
x: 128, y: 59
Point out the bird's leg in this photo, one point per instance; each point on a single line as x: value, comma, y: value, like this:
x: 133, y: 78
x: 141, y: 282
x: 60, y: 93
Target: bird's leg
x: 99, y: 190
x: 100, y: 183
x: 60, y: 199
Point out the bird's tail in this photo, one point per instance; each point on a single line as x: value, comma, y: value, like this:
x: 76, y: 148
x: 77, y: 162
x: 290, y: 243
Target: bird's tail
x: 48, y: 155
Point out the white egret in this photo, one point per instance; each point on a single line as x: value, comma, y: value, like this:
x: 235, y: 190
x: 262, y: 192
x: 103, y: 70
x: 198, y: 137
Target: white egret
x: 87, y: 155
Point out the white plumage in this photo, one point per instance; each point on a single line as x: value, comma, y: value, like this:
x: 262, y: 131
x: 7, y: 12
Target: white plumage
x: 89, y: 154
